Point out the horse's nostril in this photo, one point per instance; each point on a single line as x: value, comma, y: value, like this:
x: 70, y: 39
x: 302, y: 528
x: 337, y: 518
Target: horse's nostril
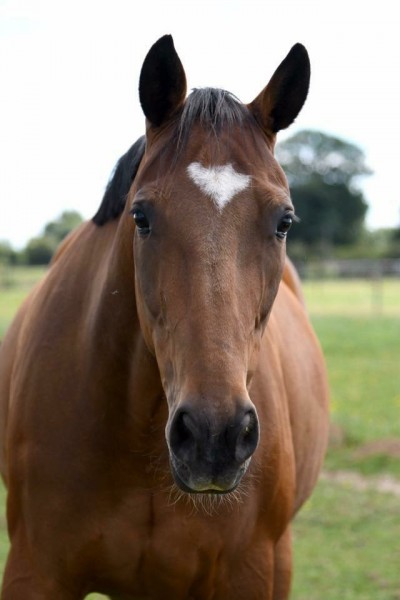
x: 182, y: 437
x: 248, y: 436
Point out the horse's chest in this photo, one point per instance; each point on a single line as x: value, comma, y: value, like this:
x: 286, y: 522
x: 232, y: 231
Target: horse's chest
x: 174, y: 554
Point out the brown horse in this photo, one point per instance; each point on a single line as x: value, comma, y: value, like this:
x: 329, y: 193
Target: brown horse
x: 157, y: 435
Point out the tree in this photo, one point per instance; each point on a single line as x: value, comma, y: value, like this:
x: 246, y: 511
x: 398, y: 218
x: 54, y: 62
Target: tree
x: 323, y: 173
x: 330, y: 214
x: 62, y: 226
x: 40, y: 250
x: 394, y: 243
x: 8, y: 256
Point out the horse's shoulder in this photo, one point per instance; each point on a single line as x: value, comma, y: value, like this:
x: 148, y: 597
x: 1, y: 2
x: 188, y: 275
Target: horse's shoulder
x: 290, y: 333
x: 291, y: 279
x: 289, y: 306
x: 12, y: 361
x: 300, y: 376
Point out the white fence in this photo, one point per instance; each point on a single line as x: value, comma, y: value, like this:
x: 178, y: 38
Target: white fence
x: 362, y: 268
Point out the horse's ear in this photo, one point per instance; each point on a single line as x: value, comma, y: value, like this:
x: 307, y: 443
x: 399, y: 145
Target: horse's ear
x: 162, y: 84
x: 282, y: 99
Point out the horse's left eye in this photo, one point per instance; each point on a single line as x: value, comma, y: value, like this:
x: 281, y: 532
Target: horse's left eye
x: 142, y: 222
x: 284, y: 225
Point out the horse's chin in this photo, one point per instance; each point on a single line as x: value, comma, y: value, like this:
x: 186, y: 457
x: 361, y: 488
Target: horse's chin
x: 190, y: 484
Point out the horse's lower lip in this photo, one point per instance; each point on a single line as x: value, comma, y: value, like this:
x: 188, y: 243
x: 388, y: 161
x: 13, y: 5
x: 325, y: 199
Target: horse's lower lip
x: 189, y: 490
x: 213, y: 489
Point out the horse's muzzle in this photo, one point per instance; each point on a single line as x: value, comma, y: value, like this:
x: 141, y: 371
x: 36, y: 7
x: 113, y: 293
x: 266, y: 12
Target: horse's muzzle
x: 208, y: 454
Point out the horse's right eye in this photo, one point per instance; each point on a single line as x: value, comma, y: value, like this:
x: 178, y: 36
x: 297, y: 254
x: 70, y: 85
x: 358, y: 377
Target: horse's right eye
x: 141, y: 221
x: 284, y: 226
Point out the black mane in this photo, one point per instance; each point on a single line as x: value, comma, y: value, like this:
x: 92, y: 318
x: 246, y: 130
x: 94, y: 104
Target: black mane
x: 113, y: 202
x: 212, y: 108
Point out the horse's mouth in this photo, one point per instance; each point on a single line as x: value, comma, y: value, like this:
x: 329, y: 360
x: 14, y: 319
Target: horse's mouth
x: 188, y: 481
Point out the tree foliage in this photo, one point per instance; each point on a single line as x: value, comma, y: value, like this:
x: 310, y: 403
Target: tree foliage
x: 61, y: 227
x: 330, y: 214
x: 8, y: 256
x: 323, y: 173
x: 394, y: 244
x: 40, y: 250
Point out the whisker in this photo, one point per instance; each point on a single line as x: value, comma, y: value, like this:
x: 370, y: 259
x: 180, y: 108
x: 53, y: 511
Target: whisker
x: 208, y: 504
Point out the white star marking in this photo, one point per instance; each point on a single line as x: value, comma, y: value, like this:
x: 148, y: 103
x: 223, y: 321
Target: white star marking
x: 221, y: 183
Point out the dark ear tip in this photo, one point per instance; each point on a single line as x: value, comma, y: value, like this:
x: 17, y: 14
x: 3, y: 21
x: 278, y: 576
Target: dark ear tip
x: 300, y: 52
x: 166, y: 41
x: 164, y: 46
x: 299, y: 48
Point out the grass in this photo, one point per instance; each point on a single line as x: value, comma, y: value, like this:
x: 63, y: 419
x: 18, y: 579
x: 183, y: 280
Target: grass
x: 346, y: 546
x: 371, y: 298
x: 360, y: 339
x: 362, y: 355
x: 346, y: 540
x: 15, y: 283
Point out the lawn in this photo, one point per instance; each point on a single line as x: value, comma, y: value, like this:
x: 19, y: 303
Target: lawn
x: 360, y: 340
x: 370, y: 298
x: 346, y: 545
x: 15, y: 284
x: 346, y: 539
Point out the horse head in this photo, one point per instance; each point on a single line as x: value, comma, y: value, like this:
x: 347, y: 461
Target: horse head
x: 211, y: 208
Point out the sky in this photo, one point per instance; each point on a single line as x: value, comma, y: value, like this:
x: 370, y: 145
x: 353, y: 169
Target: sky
x: 69, y: 71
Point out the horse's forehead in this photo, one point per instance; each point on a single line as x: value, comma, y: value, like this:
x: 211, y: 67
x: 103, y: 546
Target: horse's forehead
x: 219, y: 172
x: 220, y: 182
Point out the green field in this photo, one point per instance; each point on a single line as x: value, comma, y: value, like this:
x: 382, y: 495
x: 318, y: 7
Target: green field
x: 347, y: 545
x: 346, y: 538
x: 15, y: 284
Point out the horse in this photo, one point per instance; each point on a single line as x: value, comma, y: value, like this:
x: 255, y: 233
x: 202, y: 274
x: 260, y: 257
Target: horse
x: 163, y: 397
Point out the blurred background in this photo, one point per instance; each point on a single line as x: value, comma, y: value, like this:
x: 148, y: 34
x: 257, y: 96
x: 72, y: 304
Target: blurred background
x: 69, y: 109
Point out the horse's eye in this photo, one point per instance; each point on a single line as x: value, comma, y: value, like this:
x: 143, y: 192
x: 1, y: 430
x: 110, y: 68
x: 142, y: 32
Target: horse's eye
x: 284, y: 225
x: 142, y: 222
